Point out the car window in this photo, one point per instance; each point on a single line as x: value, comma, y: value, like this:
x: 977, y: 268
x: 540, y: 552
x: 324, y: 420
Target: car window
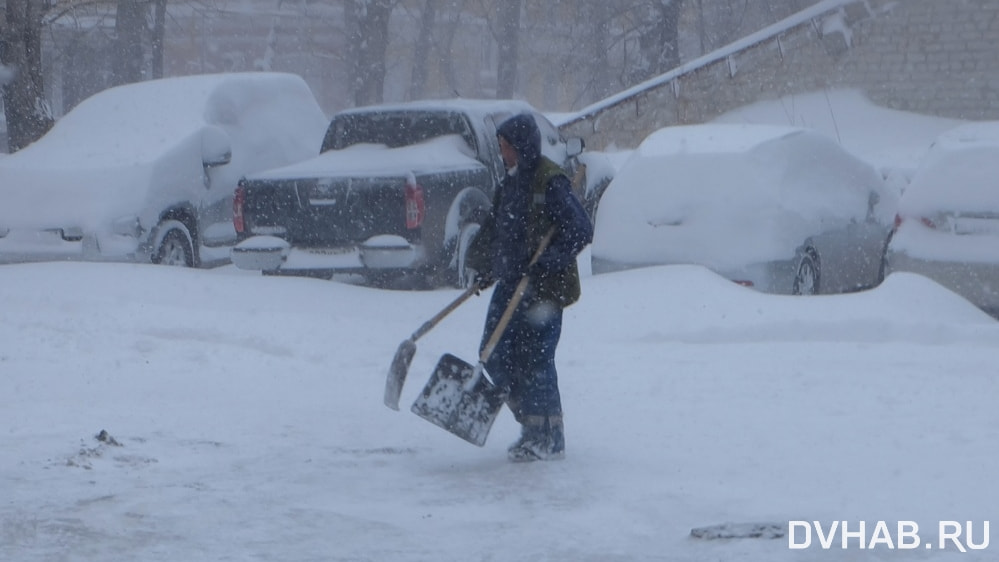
x: 395, y: 129
x: 549, y: 134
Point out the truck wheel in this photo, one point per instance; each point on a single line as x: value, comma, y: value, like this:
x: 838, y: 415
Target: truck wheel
x: 174, y: 246
x: 806, y: 280
x: 462, y: 275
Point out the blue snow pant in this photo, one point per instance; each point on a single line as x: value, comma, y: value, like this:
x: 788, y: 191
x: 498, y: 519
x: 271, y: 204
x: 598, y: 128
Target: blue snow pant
x: 523, y: 362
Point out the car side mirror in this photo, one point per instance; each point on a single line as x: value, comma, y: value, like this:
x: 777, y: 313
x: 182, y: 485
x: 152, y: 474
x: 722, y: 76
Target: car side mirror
x: 574, y: 146
x: 873, y: 198
x: 216, y: 150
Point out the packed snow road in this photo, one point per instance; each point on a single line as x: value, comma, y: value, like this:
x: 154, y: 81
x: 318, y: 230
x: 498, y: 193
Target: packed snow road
x: 243, y: 420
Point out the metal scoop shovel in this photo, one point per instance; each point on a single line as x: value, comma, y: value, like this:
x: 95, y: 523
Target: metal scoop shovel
x: 407, y: 349
x: 458, y: 397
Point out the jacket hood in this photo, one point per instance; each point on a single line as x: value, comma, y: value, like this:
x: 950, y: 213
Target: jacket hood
x: 522, y: 132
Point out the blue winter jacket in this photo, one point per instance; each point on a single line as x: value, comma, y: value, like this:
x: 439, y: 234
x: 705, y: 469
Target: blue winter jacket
x: 509, y: 238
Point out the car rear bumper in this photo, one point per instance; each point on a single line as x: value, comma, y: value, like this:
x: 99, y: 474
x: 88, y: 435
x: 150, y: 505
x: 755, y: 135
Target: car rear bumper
x: 978, y: 282
x: 21, y: 246
x: 276, y: 255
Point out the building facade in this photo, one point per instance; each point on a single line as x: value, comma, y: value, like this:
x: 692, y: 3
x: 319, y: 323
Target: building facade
x: 924, y: 56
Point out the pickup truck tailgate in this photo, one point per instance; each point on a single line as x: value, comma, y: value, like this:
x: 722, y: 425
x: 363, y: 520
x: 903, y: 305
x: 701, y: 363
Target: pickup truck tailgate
x: 326, y: 212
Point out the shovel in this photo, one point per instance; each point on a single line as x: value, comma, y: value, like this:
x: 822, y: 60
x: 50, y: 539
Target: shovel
x: 457, y: 397
x: 407, y: 349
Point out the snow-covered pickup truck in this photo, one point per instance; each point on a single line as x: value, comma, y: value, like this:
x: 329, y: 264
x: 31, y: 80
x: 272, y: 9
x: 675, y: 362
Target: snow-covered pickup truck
x: 396, y: 190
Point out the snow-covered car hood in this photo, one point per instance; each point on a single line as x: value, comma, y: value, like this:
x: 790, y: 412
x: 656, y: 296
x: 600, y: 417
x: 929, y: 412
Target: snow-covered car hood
x: 447, y: 153
x: 728, y: 196
x: 128, y: 149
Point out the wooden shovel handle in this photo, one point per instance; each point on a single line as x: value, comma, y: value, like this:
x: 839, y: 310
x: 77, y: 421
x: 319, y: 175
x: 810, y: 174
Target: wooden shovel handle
x: 429, y: 324
x: 518, y: 294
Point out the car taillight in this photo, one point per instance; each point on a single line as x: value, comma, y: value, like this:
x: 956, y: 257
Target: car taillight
x: 238, y: 198
x: 415, y: 207
x: 936, y: 222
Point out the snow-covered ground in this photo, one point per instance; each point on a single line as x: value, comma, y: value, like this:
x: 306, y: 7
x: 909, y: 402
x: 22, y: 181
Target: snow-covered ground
x: 248, y: 417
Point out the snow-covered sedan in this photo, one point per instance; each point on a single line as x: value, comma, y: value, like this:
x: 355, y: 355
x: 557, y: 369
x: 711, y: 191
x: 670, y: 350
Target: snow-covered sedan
x: 947, y: 226
x: 146, y: 172
x: 784, y: 210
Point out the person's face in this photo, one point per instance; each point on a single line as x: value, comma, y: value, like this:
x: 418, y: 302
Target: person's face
x: 508, y: 153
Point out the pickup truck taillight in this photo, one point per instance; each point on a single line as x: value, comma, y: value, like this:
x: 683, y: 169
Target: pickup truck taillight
x: 238, y: 198
x: 415, y: 207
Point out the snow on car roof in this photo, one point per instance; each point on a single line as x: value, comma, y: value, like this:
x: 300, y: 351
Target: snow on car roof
x: 136, y: 122
x: 711, y: 139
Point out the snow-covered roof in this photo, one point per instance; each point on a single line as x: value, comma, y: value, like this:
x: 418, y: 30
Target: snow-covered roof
x: 821, y: 8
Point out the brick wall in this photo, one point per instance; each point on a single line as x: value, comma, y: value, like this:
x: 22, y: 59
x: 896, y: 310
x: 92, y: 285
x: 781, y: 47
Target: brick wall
x: 927, y: 56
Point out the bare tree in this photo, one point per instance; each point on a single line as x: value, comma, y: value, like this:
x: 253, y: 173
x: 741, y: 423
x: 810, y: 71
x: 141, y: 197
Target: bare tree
x: 439, y: 23
x: 367, y: 24
x: 158, y: 36
x: 555, y: 52
x: 128, y: 56
x: 421, y: 52
x: 27, y: 114
x: 657, y: 32
x: 445, y: 46
x: 720, y: 22
x: 597, y: 47
x: 507, y: 34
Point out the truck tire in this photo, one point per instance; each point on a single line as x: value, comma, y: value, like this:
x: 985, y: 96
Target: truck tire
x: 808, y: 276
x: 174, y: 245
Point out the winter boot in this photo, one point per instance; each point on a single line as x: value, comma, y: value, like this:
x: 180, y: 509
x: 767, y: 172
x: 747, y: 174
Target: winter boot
x: 541, y: 439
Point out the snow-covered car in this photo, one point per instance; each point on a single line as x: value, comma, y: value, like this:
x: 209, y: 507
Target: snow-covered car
x: 146, y: 172
x: 782, y: 209
x: 947, y: 227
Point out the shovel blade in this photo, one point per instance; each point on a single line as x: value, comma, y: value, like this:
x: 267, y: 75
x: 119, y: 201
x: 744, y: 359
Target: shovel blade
x: 445, y: 401
x: 397, y: 373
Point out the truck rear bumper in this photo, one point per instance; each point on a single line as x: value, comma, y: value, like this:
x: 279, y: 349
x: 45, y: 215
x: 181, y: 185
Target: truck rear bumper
x: 273, y: 254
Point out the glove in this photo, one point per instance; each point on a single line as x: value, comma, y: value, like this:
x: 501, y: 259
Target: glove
x: 483, y: 280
